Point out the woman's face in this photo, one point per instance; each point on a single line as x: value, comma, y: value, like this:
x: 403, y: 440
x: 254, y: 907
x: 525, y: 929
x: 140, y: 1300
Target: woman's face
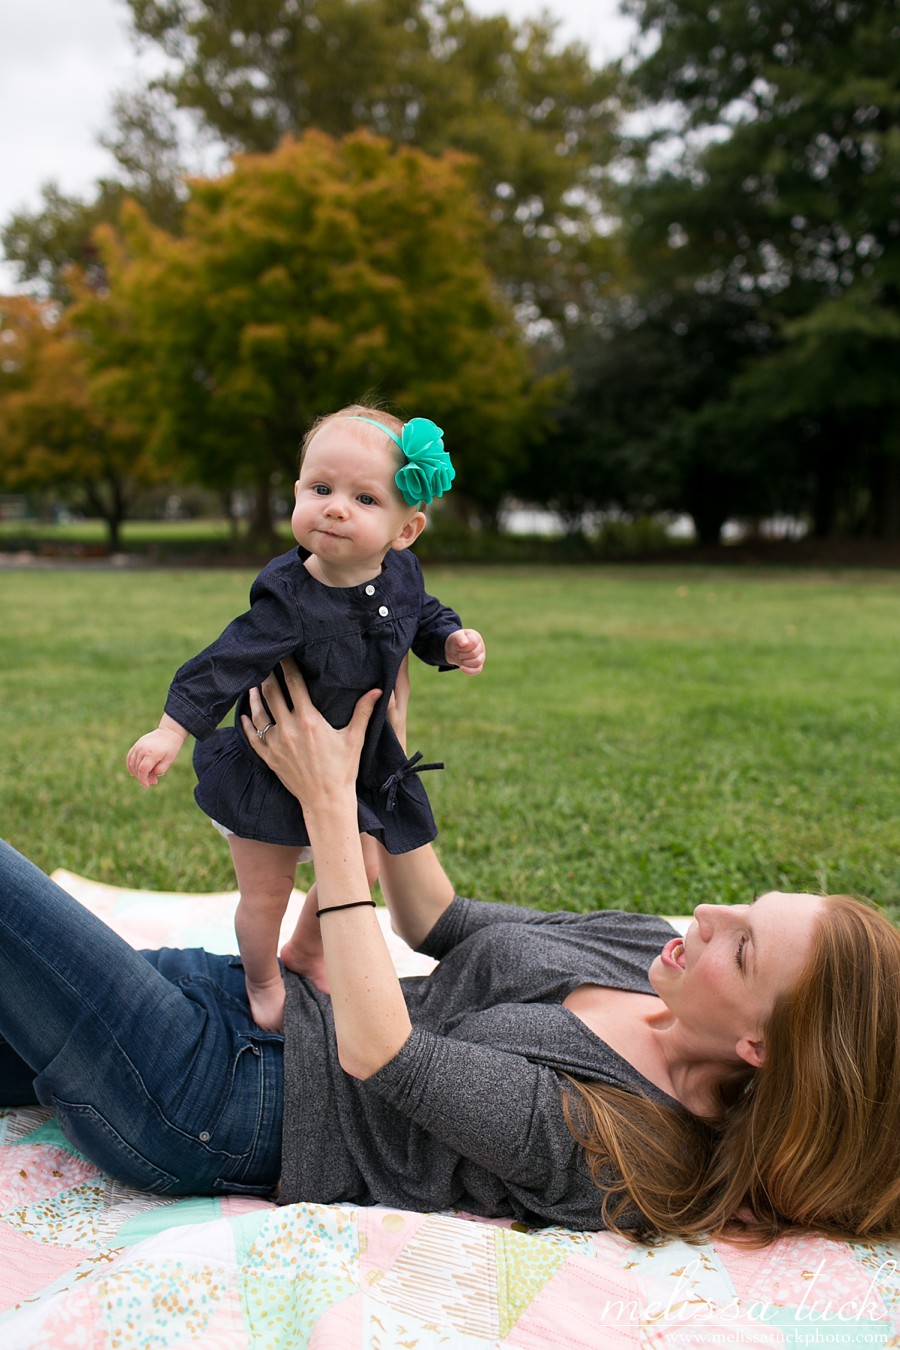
x: 721, y: 981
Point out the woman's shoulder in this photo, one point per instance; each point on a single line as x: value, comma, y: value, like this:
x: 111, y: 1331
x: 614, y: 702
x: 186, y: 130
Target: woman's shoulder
x: 622, y: 922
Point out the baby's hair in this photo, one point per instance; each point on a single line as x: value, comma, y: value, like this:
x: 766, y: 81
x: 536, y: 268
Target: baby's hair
x: 353, y: 410
x: 388, y: 419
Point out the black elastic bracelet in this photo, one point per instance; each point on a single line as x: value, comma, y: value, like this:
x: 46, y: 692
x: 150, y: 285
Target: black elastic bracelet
x: 352, y: 904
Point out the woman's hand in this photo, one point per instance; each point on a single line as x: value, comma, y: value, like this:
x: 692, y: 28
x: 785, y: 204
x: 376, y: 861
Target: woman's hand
x: 315, y: 761
x: 319, y: 764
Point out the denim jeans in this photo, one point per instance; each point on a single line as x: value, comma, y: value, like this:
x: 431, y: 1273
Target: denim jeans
x: 151, y: 1060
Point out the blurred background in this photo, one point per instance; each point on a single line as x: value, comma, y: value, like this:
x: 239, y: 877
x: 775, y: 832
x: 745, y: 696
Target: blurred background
x: 641, y: 264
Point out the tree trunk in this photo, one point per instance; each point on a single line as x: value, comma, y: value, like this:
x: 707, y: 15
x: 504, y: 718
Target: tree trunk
x: 114, y: 533
x: 826, y: 487
x: 227, y: 499
x: 884, y: 489
x: 107, y: 500
x: 706, y: 499
x: 262, y: 529
x: 708, y: 524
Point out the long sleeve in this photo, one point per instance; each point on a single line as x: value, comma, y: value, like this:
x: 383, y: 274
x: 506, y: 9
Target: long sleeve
x: 500, y: 1112
x: 458, y: 1091
x: 436, y: 623
x: 208, y: 685
x: 464, y: 917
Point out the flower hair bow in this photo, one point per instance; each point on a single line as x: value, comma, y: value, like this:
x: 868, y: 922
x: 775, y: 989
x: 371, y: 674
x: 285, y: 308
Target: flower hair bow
x: 428, y: 471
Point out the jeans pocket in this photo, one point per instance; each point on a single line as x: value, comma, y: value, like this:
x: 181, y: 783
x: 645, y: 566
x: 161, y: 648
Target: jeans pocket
x: 88, y: 1131
x: 250, y: 1130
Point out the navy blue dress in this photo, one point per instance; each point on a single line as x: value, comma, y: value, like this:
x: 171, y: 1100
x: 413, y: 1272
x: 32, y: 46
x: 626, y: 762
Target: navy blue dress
x: 345, y: 641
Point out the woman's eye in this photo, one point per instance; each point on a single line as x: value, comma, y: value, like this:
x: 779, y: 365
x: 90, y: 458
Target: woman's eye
x: 739, y: 954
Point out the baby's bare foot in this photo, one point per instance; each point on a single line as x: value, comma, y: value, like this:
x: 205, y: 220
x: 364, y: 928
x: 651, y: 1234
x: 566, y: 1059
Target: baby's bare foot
x: 267, y: 1005
x: 307, y: 961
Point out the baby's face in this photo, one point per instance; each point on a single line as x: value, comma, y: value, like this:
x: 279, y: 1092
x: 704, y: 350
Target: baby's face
x: 347, y: 508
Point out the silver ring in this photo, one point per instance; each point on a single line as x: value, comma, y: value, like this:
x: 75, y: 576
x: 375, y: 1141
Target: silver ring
x: 262, y: 733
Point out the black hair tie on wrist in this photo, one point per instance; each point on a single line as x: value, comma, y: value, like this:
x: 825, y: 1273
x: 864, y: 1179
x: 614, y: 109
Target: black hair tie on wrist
x: 351, y: 904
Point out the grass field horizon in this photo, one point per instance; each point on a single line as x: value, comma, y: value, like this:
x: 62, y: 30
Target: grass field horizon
x: 641, y: 737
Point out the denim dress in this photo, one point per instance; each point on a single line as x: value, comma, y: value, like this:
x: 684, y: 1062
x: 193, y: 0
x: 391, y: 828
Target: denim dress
x: 346, y: 641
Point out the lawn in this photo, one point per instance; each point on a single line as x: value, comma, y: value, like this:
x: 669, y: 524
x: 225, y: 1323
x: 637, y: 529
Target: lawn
x: 650, y: 738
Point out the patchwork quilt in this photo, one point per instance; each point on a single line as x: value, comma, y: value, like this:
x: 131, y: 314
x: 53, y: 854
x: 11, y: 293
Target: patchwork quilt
x: 88, y: 1263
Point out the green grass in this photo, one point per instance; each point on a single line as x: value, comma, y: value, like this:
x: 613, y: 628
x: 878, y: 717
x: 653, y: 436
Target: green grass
x: 640, y: 737
x: 92, y: 533
x: 210, y: 541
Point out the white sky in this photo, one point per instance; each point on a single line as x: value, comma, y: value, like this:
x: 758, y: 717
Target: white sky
x: 61, y: 60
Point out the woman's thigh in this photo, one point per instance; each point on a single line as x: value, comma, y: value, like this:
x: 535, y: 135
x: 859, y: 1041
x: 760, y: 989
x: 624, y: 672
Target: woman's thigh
x: 151, y: 1060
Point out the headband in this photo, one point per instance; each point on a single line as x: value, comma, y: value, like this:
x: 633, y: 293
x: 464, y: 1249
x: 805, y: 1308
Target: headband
x: 428, y: 472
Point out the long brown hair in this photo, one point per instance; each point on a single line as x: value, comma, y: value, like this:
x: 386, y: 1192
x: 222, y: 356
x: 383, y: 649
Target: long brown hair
x: 807, y: 1142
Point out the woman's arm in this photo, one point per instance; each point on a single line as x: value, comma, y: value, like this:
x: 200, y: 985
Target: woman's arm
x: 319, y: 763
x: 415, y: 885
x: 417, y: 891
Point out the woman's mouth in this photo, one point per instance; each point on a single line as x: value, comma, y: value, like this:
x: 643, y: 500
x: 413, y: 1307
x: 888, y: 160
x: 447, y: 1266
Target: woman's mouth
x: 672, y: 954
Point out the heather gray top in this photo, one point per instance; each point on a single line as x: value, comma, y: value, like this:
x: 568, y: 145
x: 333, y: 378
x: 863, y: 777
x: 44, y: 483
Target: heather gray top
x: 469, y: 1113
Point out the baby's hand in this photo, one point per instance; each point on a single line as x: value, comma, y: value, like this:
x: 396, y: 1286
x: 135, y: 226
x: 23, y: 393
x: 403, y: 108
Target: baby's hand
x: 154, y: 754
x: 465, y: 648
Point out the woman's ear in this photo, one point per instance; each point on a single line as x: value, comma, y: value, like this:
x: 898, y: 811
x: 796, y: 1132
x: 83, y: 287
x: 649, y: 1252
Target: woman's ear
x: 410, y: 531
x: 752, y: 1052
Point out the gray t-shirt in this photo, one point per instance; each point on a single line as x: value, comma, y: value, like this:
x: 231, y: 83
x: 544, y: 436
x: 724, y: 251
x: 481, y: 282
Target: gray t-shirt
x: 469, y: 1113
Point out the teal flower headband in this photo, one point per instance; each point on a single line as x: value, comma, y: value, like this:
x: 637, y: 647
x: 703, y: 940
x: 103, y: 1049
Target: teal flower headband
x: 428, y: 472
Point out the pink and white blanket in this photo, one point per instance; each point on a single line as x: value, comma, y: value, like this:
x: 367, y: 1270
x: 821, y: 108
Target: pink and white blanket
x: 87, y: 1263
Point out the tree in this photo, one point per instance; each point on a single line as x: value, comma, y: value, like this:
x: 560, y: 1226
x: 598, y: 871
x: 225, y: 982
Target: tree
x: 772, y: 181
x: 53, y: 433
x: 300, y: 280
x: 832, y: 382
x: 538, y: 119
x: 45, y: 243
x: 648, y: 427
x: 48, y: 242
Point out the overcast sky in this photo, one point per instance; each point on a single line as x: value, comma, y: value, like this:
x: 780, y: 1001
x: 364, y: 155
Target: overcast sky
x: 61, y: 60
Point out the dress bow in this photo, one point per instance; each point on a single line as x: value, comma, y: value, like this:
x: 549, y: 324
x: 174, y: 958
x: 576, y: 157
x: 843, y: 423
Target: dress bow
x: 393, y: 784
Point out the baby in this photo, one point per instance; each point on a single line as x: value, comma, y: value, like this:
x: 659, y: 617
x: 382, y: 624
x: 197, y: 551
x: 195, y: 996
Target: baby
x: 348, y: 604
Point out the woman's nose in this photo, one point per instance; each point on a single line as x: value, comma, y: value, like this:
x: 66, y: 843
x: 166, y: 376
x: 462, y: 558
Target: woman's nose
x: 705, y: 916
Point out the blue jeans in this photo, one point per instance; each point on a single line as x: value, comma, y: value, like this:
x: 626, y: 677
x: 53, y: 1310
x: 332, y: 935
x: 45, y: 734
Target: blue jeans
x: 151, y: 1060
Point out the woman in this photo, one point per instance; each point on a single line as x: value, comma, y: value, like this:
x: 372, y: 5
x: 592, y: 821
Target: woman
x: 591, y: 1070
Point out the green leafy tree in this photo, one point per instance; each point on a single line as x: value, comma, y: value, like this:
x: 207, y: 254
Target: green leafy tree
x: 831, y: 384
x: 773, y: 180
x: 647, y: 426
x: 301, y: 280
x: 537, y: 117
x: 46, y: 243
x: 58, y: 431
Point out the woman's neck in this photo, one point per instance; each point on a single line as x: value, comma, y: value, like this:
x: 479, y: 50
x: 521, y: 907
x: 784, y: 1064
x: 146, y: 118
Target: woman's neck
x: 694, y: 1070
